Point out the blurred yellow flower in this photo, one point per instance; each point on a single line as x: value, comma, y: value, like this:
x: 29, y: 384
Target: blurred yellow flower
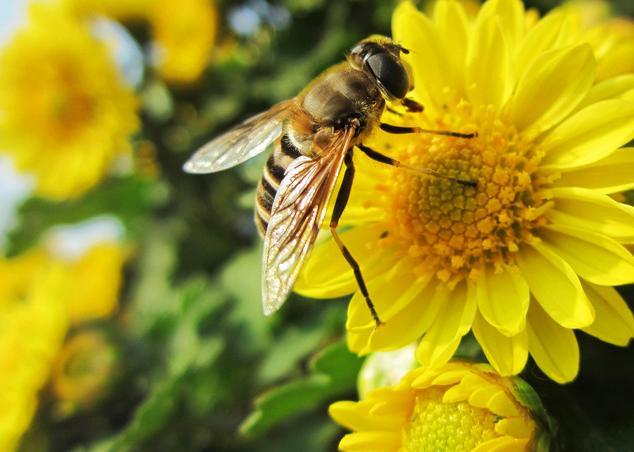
x: 65, y: 113
x: 33, y: 322
x: 98, y: 275
x: 531, y: 253
x: 119, y: 9
x: 184, y: 31
x: 41, y: 297
x: 83, y: 371
x: 459, y: 407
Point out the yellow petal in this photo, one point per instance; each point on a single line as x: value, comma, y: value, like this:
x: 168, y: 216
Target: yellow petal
x: 613, y: 322
x: 593, y: 256
x: 611, y: 88
x: 359, y: 215
x: 413, y: 30
x: 409, y: 324
x: 401, y: 329
x: 587, y: 209
x: 455, y: 394
x: 618, y: 60
x: 480, y: 397
x: 554, y: 349
x: 555, y: 285
x: 453, y: 321
x: 502, y: 405
x: 488, y: 71
x: 511, y: 16
x: 453, y: 25
x: 503, y: 299
x: 609, y: 175
x: 367, y: 441
x: 551, y: 88
x: 516, y: 427
x: 424, y: 380
x: 390, y: 293
x: 554, y: 30
x: 589, y: 135
x: 357, y: 341
x: 349, y: 415
x: 396, y: 409
x: 450, y: 377
x: 503, y: 444
x: 328, y: 275
x: 507, y: 354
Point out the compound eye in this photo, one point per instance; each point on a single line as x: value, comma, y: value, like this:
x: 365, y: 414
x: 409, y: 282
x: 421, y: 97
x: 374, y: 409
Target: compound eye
x: 389, y: 73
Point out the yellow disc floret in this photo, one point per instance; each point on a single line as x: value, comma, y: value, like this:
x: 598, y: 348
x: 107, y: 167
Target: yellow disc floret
x: 436, y: 426
x: 453, y: 227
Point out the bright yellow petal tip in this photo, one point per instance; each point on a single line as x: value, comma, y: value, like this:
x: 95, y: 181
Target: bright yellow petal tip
x: 83, y: 371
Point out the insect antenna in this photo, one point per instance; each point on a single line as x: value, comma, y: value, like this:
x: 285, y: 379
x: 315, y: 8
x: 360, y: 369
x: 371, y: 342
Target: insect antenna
x: 389, y: 128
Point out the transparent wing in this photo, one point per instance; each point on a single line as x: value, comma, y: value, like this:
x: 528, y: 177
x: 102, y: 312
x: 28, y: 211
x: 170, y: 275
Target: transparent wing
x: 296, y: 214
x: 239, y: 144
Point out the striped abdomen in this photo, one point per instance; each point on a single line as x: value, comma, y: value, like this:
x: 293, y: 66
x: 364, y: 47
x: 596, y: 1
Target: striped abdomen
x: 282, y: 156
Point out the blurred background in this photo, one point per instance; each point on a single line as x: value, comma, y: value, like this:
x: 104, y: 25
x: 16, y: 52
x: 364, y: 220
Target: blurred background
x: 131, y: 316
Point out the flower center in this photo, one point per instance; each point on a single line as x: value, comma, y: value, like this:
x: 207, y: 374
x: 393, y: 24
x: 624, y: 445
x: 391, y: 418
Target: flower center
x: 438, y: 427
x: 455, y: 228
x: 60, y: 112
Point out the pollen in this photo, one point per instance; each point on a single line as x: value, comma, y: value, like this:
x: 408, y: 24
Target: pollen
x: 438, y: 427
x: 451, y: 225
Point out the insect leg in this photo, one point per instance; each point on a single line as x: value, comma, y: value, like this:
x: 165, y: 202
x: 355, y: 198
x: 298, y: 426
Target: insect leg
x: 340, y: 204
x: 391, y: 110
x: 412, y: 105
x: 389, y: 128
x: 374, y: 155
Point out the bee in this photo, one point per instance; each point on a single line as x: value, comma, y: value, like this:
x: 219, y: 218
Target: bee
x: 314, y: 136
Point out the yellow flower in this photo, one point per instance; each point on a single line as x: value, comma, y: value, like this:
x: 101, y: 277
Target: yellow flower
x: 65, y: 113
x: 98, y: 274
x: 459, y: 407
x: 613, y: 41
x: 33, y: 322
x: 41, y: 296
x: 184, y: 31
x: 83, y: 371
x: 119, y: 9
x: 531, y: 253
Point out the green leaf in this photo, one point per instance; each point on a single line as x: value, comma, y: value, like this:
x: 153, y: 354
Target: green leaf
x: 285, y: 401
x: 241, y: 280
x: 153, y: 299
x: 155, y: 411
x: 310, y: 433
x: 298, y: 341
x: 338, y: 363
x: 333, y: 371
x: 188, y: 351
x: 188, y: 348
